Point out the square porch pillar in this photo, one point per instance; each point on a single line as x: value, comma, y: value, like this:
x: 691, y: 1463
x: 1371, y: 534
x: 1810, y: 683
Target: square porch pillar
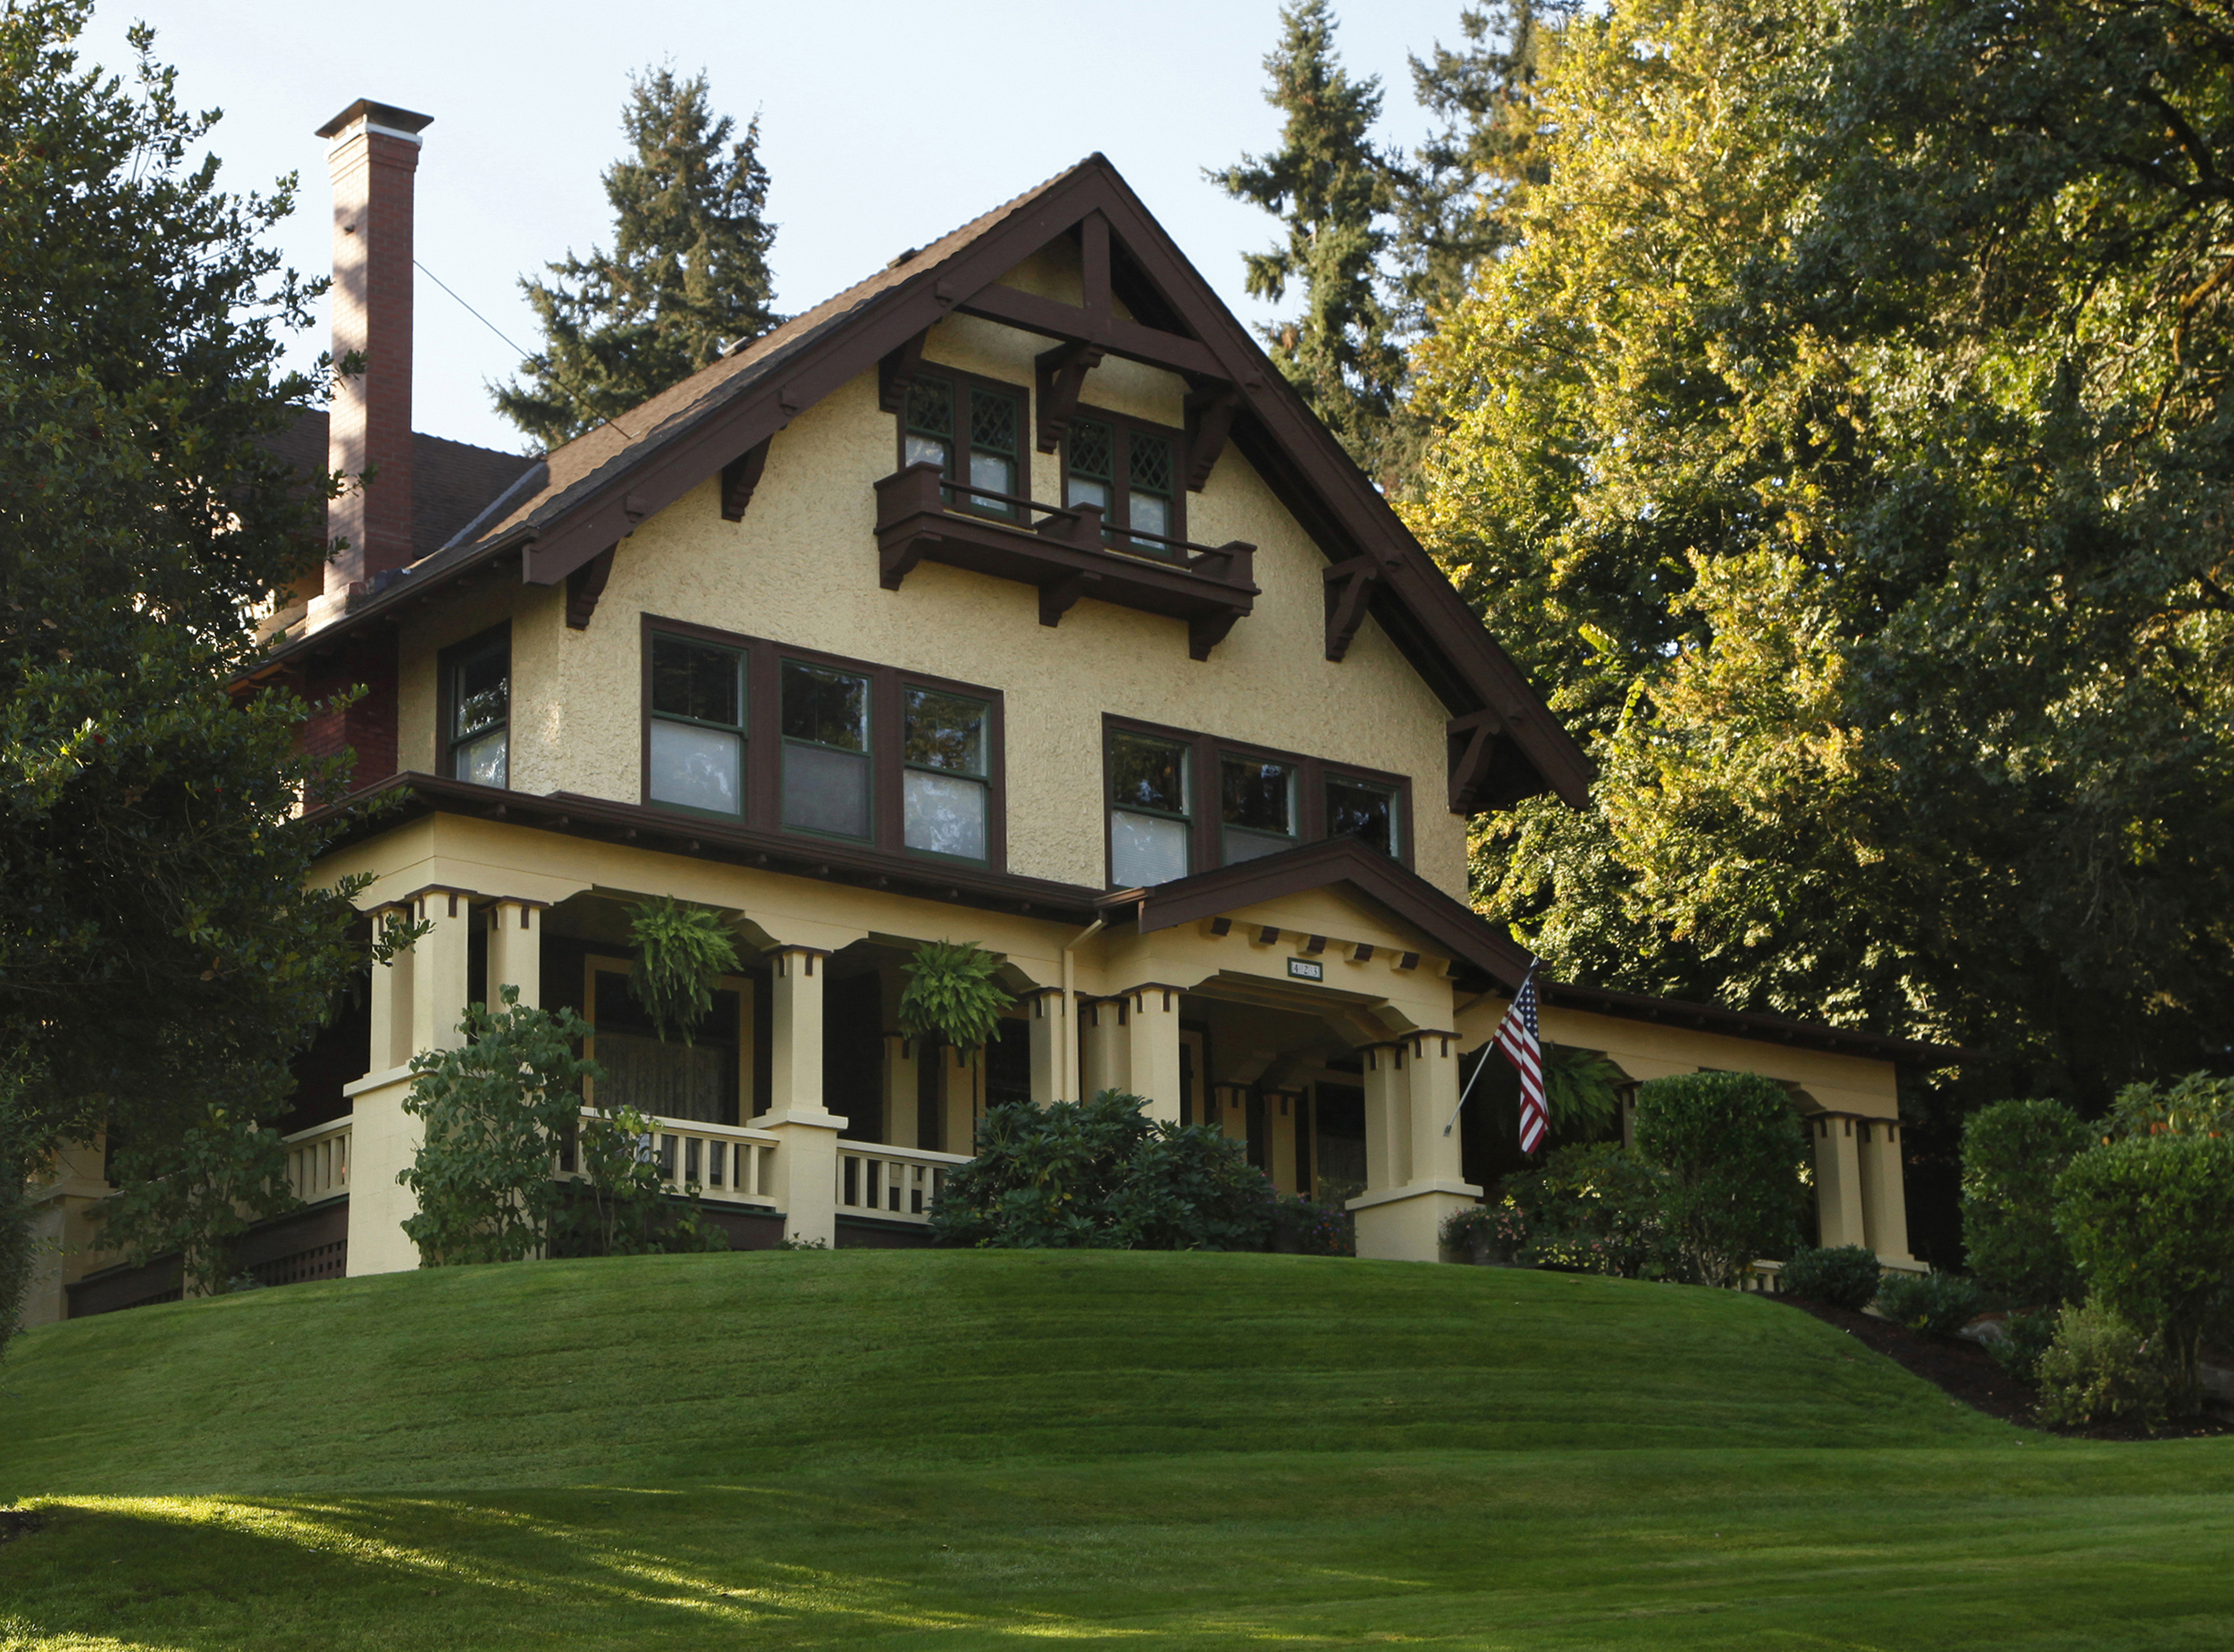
x: 1229, y: 1111
x: 804, y: 1177
x: 1431, y: 1062
x: 1838, y: 1211
x: 961, y: 1096
x: 1883, y: 1192
x: 515, y: 952
x: 1103, y: 1051
x: 1152, y: 1047
x: 417, y: 1008
x: 1043, y: 1010
x: 1411, y: 1091
x: 1283, y: 1112
x: 901, y: 1091
x: 1388, y: 1135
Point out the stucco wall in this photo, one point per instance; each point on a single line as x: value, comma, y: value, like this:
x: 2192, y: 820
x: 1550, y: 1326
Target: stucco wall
x: 801, y: 569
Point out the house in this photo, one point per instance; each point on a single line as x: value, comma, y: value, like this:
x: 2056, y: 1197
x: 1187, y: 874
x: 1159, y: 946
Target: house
x: 1010, y: 596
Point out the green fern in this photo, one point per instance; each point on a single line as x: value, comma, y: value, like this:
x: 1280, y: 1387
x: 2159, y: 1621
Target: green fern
x: 951, y: 993
x: 681, y: 953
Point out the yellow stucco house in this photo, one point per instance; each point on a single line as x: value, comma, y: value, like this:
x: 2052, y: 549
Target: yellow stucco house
x: 1010, y: 596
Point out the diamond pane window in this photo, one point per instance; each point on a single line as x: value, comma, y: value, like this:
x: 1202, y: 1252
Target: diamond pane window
x: 1130, y: 473
x: 1090, y: 471
x: 697, y: 737
x: 994, y: 419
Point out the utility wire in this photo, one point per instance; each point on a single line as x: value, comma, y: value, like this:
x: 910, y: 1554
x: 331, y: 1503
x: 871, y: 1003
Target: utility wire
x: 493, y: 327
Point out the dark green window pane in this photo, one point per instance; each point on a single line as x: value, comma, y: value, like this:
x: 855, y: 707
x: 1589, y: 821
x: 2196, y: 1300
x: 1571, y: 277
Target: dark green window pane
x: 1151, y: 465
x: 1365, y: 812
x: 931, y: 406
x: 945, y: 731
x: 1146, y: 773
x: 1090, y: 449
x: 991, y: 422
x: 827, y: 706
x: 1257, y: 795
x: 481, y: 693
x: 695, y: 680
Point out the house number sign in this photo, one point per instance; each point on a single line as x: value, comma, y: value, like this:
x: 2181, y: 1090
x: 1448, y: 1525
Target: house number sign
x: 1306, y: 969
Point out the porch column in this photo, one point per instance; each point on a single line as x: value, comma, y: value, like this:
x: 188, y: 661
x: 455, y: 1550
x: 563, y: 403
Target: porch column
x: 1433, y: 1060
x: 424, y: 1000
x: 1283, y: 1110
x: 961, y: 1097
x: 1883, y: 1196
x: 1104, y: 1052
x: 1388, y: 1146
x: 1043, y: 1013
x: 804, y: 1175
x: 1838, y: 1210
x: 901, y: 1092
x: 1152, y: 1044
x: 1411, y: 1091
x: 389, y: 1000
x: 515, y: 952
x: 1229, y: 1111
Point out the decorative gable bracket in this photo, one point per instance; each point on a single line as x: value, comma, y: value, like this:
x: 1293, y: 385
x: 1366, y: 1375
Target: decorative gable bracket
x: 1473, y: 740
x: 1350, y: 588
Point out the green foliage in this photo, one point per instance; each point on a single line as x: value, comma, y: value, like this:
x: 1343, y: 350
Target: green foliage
x: 2150, y: 1221
x: 952, y: 994
x: 2099, y: 1369
x: 496, y: 1108
x: 2012, y: 1152
x: 162, y: 950
x: 681, y: 953
x: 221, y: 1178
x: 2025, y: 1338
x: 1582, y: 1091
x: 1100, y: 1175
x: 1330, y: 186
x: 19, y: 1250
x: 2197, y: 1104
x: 1307, y: 1227
x: 1845, y: 1276
x: 1934, y: 1305
x: 1732, y: 1146
x: 617, y: 1202
x: 1842, y: 446
x: 1598, y: 1209
x: 687, y: 276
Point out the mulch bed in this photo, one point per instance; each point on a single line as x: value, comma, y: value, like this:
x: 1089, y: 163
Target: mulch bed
x: 1969, y: 1373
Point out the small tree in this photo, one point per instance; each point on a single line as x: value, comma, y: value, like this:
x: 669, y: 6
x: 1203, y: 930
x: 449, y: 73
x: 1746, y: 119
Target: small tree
x: 2012, y: 1152
x: 1733, y: 1147
x: 223, y: 1175
x: 2150, y: 1222
x: 496, y: 1108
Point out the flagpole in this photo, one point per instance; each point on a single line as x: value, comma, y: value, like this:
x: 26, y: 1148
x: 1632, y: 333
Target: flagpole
x: 1489, y: 1044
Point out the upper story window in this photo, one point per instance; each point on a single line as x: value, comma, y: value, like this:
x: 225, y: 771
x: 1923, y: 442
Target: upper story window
x: 777, y: 738
x: 478, y: 717
x: 825, y: 749
x: 1130, y: 471
x: 695, y: 744
x: 1262, y: 802
x: 971, y: 429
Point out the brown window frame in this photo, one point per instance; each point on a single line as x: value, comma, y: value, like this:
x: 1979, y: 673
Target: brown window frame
x: 1206, y: 839
x: 1121, y: 477
x: 763, y: 742
x: 446, y: 664
x: 965, y: 381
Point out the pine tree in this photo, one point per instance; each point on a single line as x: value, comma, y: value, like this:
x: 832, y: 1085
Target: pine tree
x: 686, y: 278
x: 1333, y: 189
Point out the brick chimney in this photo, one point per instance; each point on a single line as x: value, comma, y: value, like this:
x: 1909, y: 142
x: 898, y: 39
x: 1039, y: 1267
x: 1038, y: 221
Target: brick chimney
x: 376, y: 152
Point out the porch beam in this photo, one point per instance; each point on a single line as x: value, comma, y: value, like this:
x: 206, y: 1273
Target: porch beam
x: 1052, y: 319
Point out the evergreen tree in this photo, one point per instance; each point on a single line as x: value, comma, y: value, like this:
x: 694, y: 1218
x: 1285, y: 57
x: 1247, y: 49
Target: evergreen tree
x: 687, y: 276
x: 161, y: 957
x: 1333, y: 190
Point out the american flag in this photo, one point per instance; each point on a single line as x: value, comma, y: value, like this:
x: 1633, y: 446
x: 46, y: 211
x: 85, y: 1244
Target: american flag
x: 1517, y: 1041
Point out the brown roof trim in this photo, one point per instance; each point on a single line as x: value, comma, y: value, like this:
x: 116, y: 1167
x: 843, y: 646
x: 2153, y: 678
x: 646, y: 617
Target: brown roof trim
x: 411, y: 796
x: 1480, y: 947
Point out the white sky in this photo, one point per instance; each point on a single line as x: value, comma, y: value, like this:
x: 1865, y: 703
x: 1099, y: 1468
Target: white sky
x: 884, y: 125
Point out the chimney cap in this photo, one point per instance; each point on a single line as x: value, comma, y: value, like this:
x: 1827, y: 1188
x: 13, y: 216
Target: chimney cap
x: 377, y: 114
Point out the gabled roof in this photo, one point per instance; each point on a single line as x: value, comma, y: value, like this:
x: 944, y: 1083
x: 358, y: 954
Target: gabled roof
x: 451, y: 482
x: 585, y: 498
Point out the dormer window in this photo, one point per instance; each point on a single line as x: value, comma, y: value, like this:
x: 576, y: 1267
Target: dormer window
x: 477, y: 720
x: 972, y: 431
x: 1128, y: 470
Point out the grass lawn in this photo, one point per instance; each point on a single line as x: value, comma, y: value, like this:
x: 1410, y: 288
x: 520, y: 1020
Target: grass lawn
x: 903, y: 1449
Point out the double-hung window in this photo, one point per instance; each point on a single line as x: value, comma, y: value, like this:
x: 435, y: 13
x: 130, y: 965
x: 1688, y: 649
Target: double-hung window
x: 695, y: 755
x: 1150, y: 815
x: 973, y: 431
x: 477, y: 685
x: 825, y: 749
x: 944, y: 782
x: 1364, y: 810
x: 1129, y: 471
x: 1257, y: 799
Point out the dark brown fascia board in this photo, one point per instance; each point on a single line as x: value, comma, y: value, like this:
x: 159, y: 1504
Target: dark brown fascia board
x: 1755, y: 1025
x: 660, y: 831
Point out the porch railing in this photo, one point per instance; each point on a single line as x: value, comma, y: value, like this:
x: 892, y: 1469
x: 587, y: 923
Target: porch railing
x: 729, y: 1164
x: 898, y: 1183
x: 318, y: 1159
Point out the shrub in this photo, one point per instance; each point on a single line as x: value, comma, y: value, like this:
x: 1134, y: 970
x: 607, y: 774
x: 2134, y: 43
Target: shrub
x: 1303, y: 1227
x: 619, y: 1204
x: 1596, y: 1208
x: 2196, y: 1105
x: 1099, y: 1175
x: 2150, y: 1221
x: 2012, y: 1152
x: 2099, y: 1369
x: 2024, y: 1338
x: 1937, y: 1304
x: 1731, y: 1147
x: 1844, y: 1276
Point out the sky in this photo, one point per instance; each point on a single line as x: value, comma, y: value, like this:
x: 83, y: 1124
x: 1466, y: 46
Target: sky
x: 884, y: 125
